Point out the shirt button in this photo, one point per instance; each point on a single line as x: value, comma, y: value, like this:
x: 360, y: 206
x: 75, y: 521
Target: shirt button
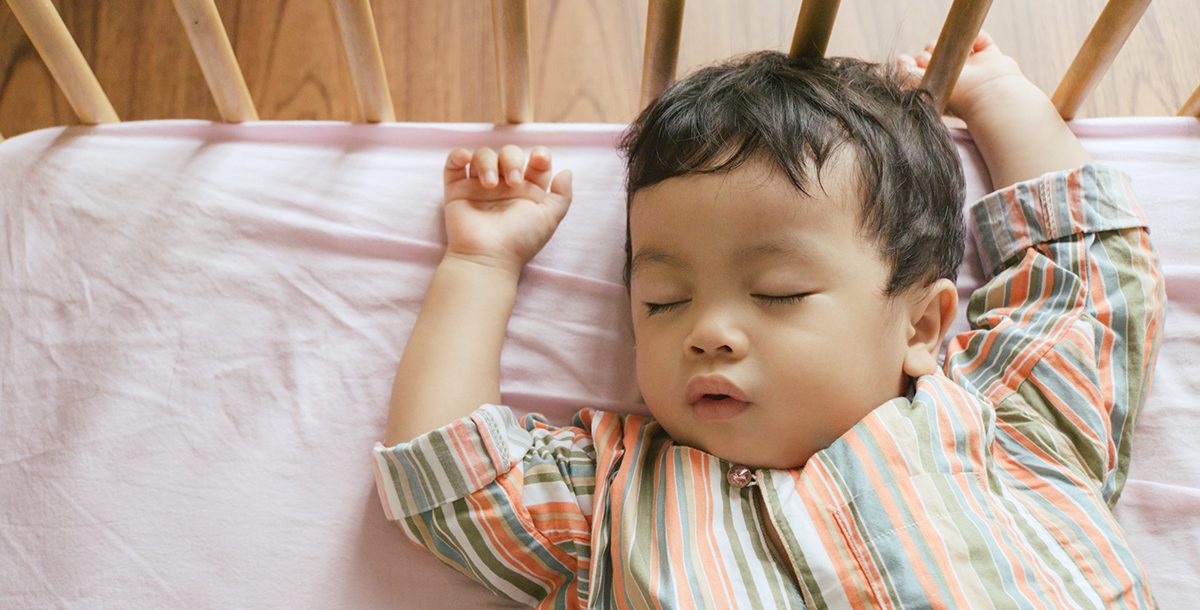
x: 740, y: 476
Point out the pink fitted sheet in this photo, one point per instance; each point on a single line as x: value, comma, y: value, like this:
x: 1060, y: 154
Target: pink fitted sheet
x: 199, y: 325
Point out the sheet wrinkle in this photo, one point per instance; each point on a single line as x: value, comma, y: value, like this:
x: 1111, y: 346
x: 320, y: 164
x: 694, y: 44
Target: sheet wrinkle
x: 334, y: 304
x: 77, y: 444
x: 24, y: 555
x: 118, y: 543
x: 533, y: 270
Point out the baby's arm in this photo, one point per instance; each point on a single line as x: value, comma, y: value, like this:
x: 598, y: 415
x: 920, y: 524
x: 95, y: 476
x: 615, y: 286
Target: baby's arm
x: 1066, y: 330
x: 505, y: 502
x: 451, y: 364
x: 1013, y: 124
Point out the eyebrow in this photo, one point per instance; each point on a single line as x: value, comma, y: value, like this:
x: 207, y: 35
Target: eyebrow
x: 790, y: 248
x: 776, y: 247
x: 650, y: 256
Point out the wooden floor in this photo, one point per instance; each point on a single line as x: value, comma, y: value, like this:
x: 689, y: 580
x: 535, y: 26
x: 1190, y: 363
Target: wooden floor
x: 586, y: 59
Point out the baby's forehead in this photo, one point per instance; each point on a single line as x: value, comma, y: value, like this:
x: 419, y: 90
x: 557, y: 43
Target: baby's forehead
x: 837, y: 177
x: 766, y: 197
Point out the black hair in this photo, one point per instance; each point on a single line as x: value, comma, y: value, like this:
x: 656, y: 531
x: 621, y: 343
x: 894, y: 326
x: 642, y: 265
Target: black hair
x: 796, y: 113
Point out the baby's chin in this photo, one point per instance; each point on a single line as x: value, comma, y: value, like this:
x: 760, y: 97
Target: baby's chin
x: 770, y: 462
x: 739, y: 446
x: 753, y: 457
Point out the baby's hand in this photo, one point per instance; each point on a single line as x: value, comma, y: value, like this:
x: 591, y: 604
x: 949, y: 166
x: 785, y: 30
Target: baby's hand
x: 502, y: 216
x: 986, y: 71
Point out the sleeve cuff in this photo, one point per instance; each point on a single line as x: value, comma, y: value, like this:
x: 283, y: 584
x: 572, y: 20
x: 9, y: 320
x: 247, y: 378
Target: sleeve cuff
x: 449, y: 463
x: 1087, y: 199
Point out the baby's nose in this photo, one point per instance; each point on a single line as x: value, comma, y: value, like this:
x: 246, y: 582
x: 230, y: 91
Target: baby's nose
x: 716, y: 336
x: 698, y: 350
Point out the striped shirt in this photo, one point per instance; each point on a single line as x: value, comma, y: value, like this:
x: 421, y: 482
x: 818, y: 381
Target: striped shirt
x: 990, y: 486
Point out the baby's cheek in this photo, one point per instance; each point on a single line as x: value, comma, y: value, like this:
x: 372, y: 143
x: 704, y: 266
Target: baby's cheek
x: 649, y: 366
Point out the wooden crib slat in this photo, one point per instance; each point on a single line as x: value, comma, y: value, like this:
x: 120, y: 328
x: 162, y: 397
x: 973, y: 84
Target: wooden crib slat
x: 1103, y: 42
x: 510, y: 27
x: 953, y: 46
x: 357, y: 26
x: 660, y: 58
x: 209, y: 41
x: 70, y: 70
x: 1192, y: 106
x: 813, y: 28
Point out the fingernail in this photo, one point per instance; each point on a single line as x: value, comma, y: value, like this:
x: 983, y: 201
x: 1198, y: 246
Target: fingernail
x: 514, y: 177
x: 489, y: 177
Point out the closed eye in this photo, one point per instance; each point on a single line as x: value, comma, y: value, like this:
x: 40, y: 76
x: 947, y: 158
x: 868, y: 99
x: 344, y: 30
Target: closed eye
x: 783, y: 300
x: 653, y: 308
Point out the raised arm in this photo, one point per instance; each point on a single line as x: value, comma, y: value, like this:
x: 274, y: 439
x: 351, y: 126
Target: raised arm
x: 451, y: 363
x: 1066, y: 330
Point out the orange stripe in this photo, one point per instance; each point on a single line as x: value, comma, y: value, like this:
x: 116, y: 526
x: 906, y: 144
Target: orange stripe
x: 1017, y: 221
x: 912, y: 499
x: 1026, y: 557
x: 820, y: 486
x: 1052, y: 495
x: 620, y: 484
x: 702, y: 486
x: 1104, y: 314
x: 1063, y: 366
x: 674, y: 529
x: 991, y: 527
x: 465, y: 456
x: 1022, y: 364
x: 989, y: 338
x: 505, y: 544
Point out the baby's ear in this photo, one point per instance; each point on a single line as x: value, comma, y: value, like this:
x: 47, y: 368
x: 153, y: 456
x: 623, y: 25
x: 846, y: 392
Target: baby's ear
x: 930, y: 315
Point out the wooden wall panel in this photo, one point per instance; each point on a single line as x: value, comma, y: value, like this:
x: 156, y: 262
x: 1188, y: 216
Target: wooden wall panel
x: 586, y: 57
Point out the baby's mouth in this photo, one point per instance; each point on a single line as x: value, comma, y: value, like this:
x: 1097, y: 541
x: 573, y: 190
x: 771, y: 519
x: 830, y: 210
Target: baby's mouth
x: 709, y: 402
x: 718, y: 407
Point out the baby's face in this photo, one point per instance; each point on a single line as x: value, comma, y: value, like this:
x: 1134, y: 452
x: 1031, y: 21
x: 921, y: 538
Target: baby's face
x: 739, y: 279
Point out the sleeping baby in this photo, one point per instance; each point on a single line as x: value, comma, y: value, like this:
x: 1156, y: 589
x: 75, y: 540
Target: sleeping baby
x: 794, y: 231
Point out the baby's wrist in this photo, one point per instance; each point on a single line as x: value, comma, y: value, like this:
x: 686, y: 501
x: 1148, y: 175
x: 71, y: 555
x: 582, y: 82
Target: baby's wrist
x: 479, y: 263
x: 999, y: 96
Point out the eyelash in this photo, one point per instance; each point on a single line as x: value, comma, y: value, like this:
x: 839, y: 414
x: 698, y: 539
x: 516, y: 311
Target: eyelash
x: 655, y: 308
x: 781, y: 300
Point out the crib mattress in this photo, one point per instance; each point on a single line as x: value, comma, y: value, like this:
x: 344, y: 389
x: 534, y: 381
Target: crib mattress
x: 199, y: 324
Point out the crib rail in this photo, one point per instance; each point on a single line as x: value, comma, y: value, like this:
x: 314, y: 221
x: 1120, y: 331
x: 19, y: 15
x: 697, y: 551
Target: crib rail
x: 217, y: 62
x: 1099, y: 49
x: 510, y: 22
x: 664, y: 26
x: 510, y: 27
x: 953, y: 45
x: 63, y: 58
x: 813, y: 27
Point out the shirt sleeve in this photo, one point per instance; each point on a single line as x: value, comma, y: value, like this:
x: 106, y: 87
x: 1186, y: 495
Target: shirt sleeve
x: 506, y: 502
x: 1066, y: 331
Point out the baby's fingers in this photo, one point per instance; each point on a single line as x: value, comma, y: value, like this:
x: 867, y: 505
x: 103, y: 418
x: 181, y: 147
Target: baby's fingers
x: 512, y: 164
x: 560, y: 193
x: 983, y: 41
x: 483, y: 166
x: 538, y: 170
x: 456, y: 165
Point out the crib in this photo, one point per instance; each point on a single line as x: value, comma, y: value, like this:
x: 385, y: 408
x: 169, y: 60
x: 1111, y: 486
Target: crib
x: 200, y: 320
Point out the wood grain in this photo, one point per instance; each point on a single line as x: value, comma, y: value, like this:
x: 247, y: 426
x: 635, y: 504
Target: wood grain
x: 586, y: 56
